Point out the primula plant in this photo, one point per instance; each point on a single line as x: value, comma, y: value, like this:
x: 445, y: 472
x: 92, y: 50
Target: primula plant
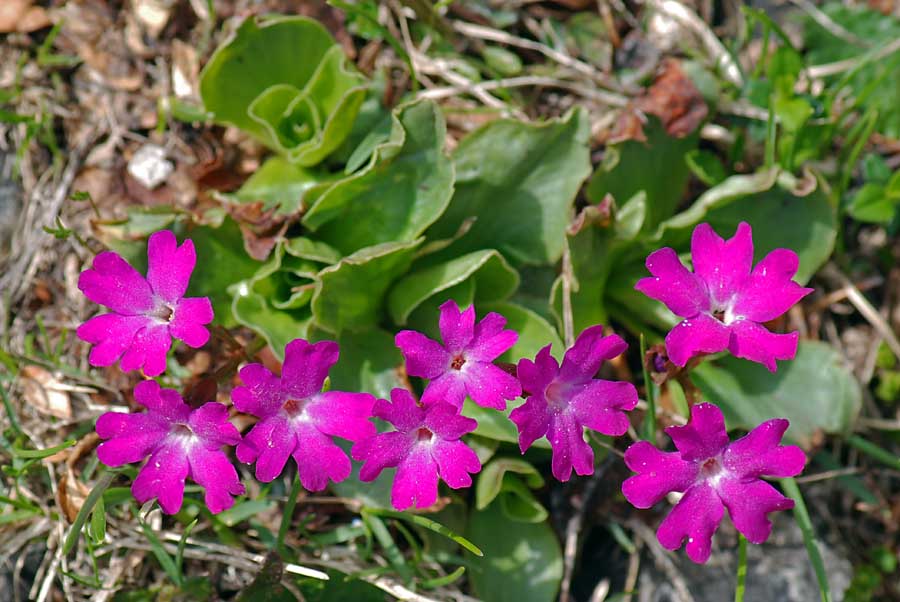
x: 510, y: 302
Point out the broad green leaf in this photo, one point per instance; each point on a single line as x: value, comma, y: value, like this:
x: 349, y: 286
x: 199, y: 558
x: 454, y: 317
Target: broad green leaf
x: 522, y: 561
x: 656, y: 166
x: 266, y: 586
x: 872, y: 204
x: 492, y: 276
x: 279, y: 184
x: 278, y: 328
x: 519, y: 181
x: 501, y: 60
x: 516, y: 499
x: 535, y: 332
x: 369, y: 362
x: 350, y: 294
x: 815, y: 391
x: 339, y: 588
x: 707, y: 166
x: 286, y: 83
x: 402, y: 191
x: 804, y: 224
x: 496, y: 425
x: 519, y: 503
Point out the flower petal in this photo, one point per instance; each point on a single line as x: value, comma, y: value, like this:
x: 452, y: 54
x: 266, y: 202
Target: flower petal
x: 344, y: 415
x: 384, y: 450
x: 590, y: 350
x: 490, y: 386
x: 402, y: 411
x: 570, y: 450
x: 536, y: 375
x: 210, y: 423
x: 490, y: 341
x: 111, y: 335
x: 700, y: 334
x: 703, y: 437
x: 424, y: 357
x: 601, y: 406
x: 416, y: 481
x: 188, y: 321
x: 759, y: 453
x: 695, y: 518
x: 672, y: 283
x: 532, y: 418
x: 722, y: 265
x: 165, y: 403
x: 457, y: 327
x: 769, y: 291
x: 163, y: 478
x: 446, y: 422
x: 306, y: 366
x: 212, y: 470
x: 148, y: 349
x: 754, y: 342
x: 114, y: 283
x: 449, y: 387
x: 658, y: 474
x: 748, y: 504
x: 169, y: 266
x: 318, y: 458
x: 269, y: 443
x: 455, y: 460
x: 131, y: 437
x: 262, y: 395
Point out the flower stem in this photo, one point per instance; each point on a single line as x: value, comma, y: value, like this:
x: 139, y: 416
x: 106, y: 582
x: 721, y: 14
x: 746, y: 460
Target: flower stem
x: 741, y: 569
x: 650, y: 393
x: 288, y: 513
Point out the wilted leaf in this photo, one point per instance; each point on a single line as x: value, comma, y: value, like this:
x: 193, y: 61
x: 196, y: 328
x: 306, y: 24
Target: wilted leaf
x: 675, y: 99
x: 815, y: 391
x: 519, y: 181
x: 45, y: 392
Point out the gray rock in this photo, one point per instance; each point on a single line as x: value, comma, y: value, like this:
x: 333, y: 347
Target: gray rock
x: 777, y: 571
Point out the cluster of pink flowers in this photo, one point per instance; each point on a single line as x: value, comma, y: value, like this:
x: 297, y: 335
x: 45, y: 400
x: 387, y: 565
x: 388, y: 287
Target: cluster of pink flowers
x: 724, y: 303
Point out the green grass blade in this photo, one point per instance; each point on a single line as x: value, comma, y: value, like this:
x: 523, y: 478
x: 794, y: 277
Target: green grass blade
x: 812, y: 548
x: 418, y: 519
x: 91, y: 501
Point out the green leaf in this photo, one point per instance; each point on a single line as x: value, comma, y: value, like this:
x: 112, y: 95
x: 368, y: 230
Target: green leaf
x: 656, y: 166
x: 370, y: 362
x: 517, y: 500
x: 501, y: 60
x: 522, y: 561
x: 279, y: 184
x: 286, y: 83
x: 809, y: 537
x: 872, y: 204
x: 497, y: 425
x: 266, y: 586
x: 404, y: 189
x: 535, y: 332
x: 519, y: 181
x: 278, y: 328
x: 492, y: 276
x: 42, y: 453
x: 805, y: 224
x: 427, y: 523
x: 350, y: 294
x: 815, y: 391
x: 93, y: 497
x: 706, y: 166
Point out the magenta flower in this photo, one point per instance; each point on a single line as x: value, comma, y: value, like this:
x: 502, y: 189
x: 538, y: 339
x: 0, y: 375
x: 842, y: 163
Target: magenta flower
x: 182, y: 443
x: 723, y: 301
x: 424, y: 447
x: 146, y: 313
x: 463, y: 364
x: 297, y: 418
x: 714, y: 474
x: 562, y: 400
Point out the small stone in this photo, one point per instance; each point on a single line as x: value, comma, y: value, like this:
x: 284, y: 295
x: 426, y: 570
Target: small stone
x: 149, y: 166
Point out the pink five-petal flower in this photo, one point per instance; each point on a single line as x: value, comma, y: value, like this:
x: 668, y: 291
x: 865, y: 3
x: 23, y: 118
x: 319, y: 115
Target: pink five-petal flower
x: 563, y: 399
x: 724, y: 301
x: 182, y: 444
x: 714, y: 475
x: 463, y: 364
x: 146, y: 312
x: 424, y: 447
x: 297, y: 418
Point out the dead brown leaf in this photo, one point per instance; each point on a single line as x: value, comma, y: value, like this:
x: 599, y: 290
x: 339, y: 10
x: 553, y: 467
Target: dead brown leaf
x: 71, y: 494
x: 22, y: 16
x: 45, y: 393
x: 675, y: 99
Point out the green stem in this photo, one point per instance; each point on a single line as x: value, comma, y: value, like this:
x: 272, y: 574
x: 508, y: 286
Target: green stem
x: 288, y: 513
x: 741, y: 569
x: 650, y: 418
